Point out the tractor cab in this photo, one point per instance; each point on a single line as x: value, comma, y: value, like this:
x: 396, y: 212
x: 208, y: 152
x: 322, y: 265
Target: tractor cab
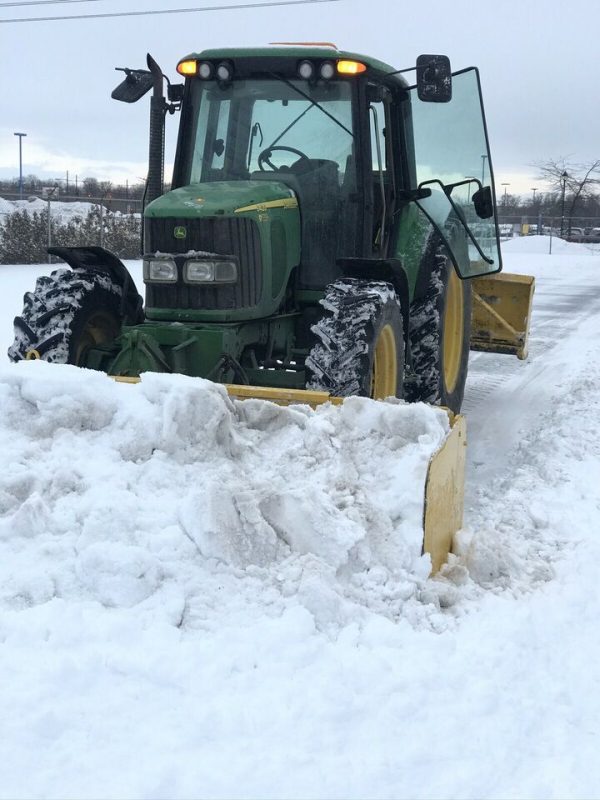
x: 353, y: 141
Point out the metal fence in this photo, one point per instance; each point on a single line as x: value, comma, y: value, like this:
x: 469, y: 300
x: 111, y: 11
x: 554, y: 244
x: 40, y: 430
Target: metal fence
x: 116, y: 224
x: 29, y: 227
x: 575, y: 229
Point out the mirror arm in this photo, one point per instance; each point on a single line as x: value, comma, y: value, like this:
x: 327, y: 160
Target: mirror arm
x: 408, y: 195
x: 459, y: 216
x: 449, y: 187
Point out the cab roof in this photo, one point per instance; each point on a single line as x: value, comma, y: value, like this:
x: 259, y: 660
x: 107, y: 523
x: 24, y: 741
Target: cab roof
x: 320, y: 51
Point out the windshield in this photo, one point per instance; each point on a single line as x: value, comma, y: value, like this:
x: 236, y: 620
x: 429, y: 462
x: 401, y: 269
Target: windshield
x: 267, y: 125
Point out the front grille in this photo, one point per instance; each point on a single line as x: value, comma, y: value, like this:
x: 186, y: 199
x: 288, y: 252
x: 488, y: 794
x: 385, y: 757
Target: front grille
x: 224, y: 235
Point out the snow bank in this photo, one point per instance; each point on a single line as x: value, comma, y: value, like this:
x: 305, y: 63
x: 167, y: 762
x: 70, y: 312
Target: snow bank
x: 111, y: 492
x: 540, y: 245
x: 60, y: 210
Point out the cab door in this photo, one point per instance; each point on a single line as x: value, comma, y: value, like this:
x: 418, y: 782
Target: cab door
x: 453, y: 181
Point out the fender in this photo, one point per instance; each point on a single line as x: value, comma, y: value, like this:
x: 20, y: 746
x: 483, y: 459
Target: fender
x: 98, y: 259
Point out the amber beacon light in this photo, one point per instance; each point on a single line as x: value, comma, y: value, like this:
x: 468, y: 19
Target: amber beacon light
x: 347, y: 67
x: 188, y: 67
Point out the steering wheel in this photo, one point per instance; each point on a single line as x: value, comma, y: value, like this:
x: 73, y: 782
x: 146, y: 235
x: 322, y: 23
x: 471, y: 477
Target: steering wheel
x: 265, y: 158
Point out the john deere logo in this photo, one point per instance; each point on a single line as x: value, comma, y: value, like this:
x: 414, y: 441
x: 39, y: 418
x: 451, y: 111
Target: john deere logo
x: 179, y: 232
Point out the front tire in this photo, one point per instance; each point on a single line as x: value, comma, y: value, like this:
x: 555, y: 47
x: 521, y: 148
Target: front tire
x: 439, y: 337
x: 66, y: 314
x: 360, y: 343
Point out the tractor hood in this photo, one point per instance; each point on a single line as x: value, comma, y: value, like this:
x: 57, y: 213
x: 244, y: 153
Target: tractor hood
x: 222, y: 198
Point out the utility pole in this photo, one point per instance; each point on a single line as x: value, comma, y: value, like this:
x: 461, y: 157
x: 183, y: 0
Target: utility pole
x: 20, y: 135
x: 563, y: 177
x: 483, y: 158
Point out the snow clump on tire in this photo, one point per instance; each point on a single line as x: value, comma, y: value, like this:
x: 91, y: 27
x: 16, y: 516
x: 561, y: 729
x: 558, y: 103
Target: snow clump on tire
x: 51, y: 313
x: 340, y: 361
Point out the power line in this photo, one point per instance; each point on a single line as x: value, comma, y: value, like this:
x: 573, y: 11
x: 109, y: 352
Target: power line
x: 168, y: 11
x: 43, y: 3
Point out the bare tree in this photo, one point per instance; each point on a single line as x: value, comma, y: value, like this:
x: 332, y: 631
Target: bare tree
x: 572, y: 182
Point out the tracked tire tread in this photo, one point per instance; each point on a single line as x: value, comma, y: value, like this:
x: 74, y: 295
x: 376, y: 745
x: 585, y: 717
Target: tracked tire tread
x: 49, y: 314
x: 425, y: 339
x: 340, y: 359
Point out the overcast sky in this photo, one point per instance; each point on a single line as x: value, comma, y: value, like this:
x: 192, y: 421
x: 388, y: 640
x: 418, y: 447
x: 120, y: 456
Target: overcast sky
x: 538, y: 59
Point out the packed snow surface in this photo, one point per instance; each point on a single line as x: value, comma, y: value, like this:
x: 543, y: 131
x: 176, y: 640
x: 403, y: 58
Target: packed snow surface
x: 202, y: 597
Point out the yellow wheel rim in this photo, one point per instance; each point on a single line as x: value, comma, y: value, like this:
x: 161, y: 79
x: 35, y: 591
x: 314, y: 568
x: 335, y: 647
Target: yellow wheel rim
x: 384, y: 377
x: 453, y: 331
x: 100, y: 328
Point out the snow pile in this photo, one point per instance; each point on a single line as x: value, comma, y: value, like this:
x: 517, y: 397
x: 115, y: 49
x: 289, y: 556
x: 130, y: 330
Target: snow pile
x: 541, y: 245
x: 61, y: 210
x: 6, y: 206
x: 116, y: 491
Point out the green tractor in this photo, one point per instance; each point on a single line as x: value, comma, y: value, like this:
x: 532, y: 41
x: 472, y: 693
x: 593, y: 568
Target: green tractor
x: 331, y: 227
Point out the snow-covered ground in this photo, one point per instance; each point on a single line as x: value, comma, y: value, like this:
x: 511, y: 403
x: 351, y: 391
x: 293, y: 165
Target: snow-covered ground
x: 151, y: 650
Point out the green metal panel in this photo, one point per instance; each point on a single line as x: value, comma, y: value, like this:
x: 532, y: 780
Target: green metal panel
x: 198, y: 350
x: 271, y: 204
x: 216, y: 198
x: 173, y: 348
x: 412, y: 231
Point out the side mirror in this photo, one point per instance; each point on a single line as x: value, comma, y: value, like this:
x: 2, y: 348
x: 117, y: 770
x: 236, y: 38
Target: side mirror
x: 484, y: 205
x: 434, y: 79
x: 137, y: 82
x: 175, y: 92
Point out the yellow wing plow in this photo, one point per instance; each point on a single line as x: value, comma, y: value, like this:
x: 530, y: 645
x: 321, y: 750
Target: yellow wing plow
x: 501, y: 313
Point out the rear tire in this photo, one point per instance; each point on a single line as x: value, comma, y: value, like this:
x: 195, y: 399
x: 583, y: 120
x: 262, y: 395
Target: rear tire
x: 439, y: 337
x: 360, y: 343
x: 68, y: 312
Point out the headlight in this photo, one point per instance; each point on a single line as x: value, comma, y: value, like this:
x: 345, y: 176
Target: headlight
x: 327, y: 70
x: 224, y: 71
x: 199, y: 271
x: 160, y: 270
x: 210, y: 271
x: 225, y: 271
x: 306, y: 70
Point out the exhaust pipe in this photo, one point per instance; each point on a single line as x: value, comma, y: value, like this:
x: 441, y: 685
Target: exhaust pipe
x: 156, y: 155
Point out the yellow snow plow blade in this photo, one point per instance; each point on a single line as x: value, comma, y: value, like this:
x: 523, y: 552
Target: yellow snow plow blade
x: 444, y: 483
x: 283, y: 397
x: 501, y: 313
x: 444, y: 493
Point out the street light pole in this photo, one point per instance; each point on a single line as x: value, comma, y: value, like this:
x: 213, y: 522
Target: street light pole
x: 483, y: 158
x: 564, y: 177
x: 20, y: 135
